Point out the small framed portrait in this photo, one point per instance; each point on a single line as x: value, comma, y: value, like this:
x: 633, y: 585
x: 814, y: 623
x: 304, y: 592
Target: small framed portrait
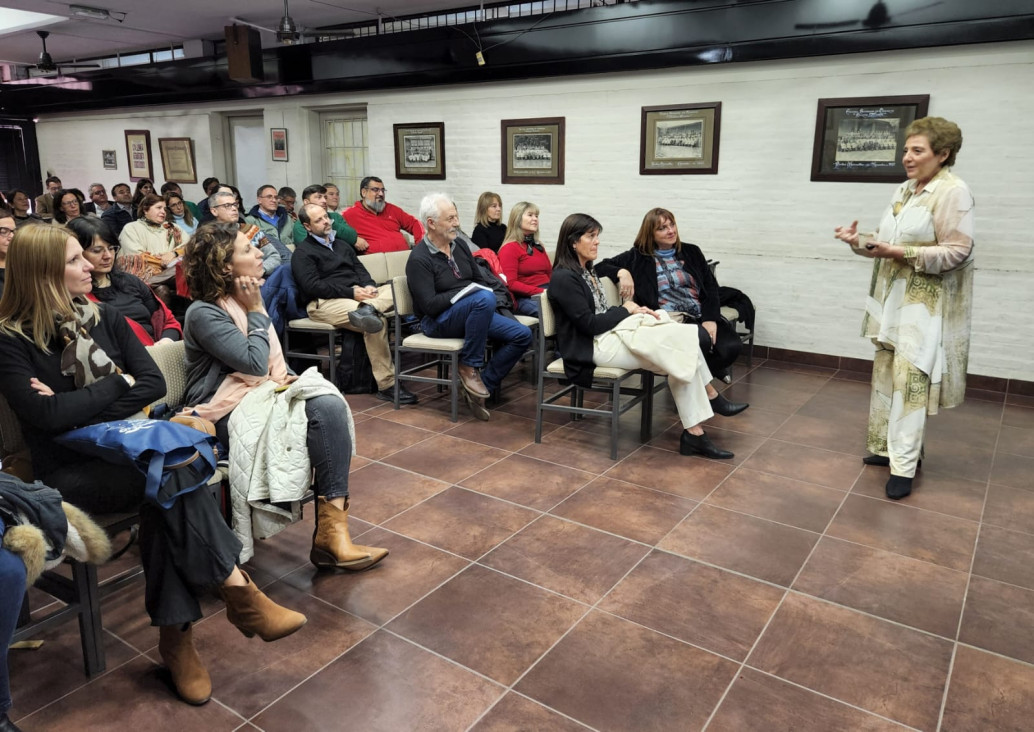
x: 138, y: 152
x: 109, y: 159
x: 533, y: 150
x: 279, y: 140
x: 859, y: 140
x: 680, y: 139
x: 178, y: 159
x: 420, y: 151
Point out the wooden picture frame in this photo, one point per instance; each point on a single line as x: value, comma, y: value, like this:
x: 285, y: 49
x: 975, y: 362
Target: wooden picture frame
x: 138, y: 153
x: 178, y: 161
x: 109, y: 159
x: 420, y: 151
x: 533, y: 151
x: 278, y: 141
x: 860, y: 139
x: 680, y: 139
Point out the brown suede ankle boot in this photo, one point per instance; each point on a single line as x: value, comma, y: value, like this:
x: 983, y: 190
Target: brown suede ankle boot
x: 332, y: 545
x: 189, y: 675
x: 253, y: 613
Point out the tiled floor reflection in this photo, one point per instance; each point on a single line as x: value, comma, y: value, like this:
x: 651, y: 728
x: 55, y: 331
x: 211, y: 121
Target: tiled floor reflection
x: 547, y: 587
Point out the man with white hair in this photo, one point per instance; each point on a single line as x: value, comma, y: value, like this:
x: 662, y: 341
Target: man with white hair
x: 454, y: 299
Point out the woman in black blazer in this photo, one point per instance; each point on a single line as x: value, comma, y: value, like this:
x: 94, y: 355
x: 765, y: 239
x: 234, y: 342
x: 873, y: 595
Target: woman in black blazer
x: 592, y: 333
x: 690, y: 291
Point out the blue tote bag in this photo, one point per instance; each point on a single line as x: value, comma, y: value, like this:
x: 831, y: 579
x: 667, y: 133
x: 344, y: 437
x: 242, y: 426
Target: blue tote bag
x: 176, y: 459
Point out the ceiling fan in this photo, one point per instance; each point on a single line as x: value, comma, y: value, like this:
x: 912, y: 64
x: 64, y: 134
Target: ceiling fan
x: 878, y: 17
x: 288, y: 32
x: 46, y: 64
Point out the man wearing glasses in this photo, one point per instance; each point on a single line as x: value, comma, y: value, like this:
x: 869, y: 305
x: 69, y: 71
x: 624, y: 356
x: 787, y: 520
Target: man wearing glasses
x: 223, y: 205
x: 381, y: 223
x: 273, y: 221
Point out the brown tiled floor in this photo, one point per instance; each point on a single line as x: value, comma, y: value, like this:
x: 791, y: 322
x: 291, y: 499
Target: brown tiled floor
x: 545, y: 586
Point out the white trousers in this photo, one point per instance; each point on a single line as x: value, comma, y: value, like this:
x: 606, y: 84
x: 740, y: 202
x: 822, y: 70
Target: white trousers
x: 673, y: 348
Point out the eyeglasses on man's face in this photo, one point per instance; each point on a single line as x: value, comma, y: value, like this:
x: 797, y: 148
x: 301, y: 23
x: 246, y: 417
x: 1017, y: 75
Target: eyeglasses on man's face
x: 375, y: 191
x: 5, y: 232
x: 226, y: 205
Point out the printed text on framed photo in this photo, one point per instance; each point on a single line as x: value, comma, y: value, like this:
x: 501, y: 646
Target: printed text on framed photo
x: 680, y: 139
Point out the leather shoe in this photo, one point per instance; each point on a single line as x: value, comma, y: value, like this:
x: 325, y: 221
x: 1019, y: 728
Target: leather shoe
x: 477, y: 407
x: 898, y: 487
x: 405, y: 396
x: 6, y: 725
x: 366, y: 318
x: 701, y: 445
x: 721, y: 405
x: 471, y: 380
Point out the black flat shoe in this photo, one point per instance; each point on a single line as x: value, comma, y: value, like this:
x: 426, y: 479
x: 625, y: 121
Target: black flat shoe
x: 721, y: 405
x: 701, y: 445
x: 898, y: 487
x: 366, y: 319
x: 6, y: 725
x: 883, y: 461
x: 405, y: 396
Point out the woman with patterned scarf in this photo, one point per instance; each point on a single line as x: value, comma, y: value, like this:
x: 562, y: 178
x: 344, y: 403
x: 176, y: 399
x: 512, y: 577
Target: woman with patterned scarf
x: 66, y: 362
x: 920, y: 300
x: 151, y: 233
x: 523, y: 259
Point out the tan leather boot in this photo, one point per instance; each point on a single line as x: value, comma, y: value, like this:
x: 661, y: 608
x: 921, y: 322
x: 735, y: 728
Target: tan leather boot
x: 253, y: 613
x: 189, y: 675
x: 332, y: 545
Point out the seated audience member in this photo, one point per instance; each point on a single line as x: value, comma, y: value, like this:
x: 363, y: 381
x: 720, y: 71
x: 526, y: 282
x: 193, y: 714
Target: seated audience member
x: 317, y: 194
x: 333, y: 198
x: 287, y: 197
x: 662, y: 272
x: 489, y: 228
x: 177, y: 211
x: 438, y: 270
x: 45, y: 201
x: 225, y: 210
x: 151, y: 233
x: 121, y: 211
x: 379, y: 223
x: 19, y: 203
x: 591, y: 333
x: 68, y: 205
x: 523, y: 259
x: 209, y: 186
x: 147, y: 316
x: 144, y: 187
x: 273, y: 220
x: 67, y: 362
x: 12, y: 579
x: 99, y: 202
x: 339, y: 291
x: 174, y: 187
x: 7, y: 227
x: 232, y: 351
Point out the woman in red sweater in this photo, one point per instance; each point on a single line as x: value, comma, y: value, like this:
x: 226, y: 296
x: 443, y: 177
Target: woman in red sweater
x: 523, y: 259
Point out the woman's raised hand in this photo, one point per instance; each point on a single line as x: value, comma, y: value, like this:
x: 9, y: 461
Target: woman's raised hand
x: 248, y: 291
x: 848, y: 234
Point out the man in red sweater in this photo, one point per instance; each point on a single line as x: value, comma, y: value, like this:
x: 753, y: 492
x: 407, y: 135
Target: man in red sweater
x: 381, y: 223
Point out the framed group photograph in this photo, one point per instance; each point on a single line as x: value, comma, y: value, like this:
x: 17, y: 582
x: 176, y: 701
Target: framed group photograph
x: 533, y: 150
x: 859, y: 140
x: 178, y: 159
x: 138, y: 152
x: 420, y: 151
x: 680, y: 139
x: 109, y: 159
x: 279, y: 139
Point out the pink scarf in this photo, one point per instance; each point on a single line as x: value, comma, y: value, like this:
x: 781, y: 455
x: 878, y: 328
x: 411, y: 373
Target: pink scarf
x: 236, y: 385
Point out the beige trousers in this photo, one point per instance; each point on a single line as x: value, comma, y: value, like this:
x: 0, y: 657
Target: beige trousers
x: 897, y: 411
x: 335, y: 312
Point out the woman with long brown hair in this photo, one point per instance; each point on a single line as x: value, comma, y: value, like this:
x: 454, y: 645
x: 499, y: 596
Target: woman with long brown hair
x: 66, y: 362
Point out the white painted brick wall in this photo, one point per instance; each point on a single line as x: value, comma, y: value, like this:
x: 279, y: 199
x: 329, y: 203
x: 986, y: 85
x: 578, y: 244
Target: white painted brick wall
x: 770, y: 226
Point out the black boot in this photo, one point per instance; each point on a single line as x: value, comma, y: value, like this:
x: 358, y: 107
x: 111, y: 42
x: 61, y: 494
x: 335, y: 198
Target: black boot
x: 721, y: 405
x: 366, y: 318
x: 701, y: 445
x: 898, y: 487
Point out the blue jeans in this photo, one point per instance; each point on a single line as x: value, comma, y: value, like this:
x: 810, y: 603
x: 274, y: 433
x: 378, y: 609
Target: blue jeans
x: 475, y: 320
x: 12, y: 580
x: 528, y: 306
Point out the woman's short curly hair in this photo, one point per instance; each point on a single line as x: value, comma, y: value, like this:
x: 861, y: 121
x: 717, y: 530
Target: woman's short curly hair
x: 942, y: 134
x: 206, y: 259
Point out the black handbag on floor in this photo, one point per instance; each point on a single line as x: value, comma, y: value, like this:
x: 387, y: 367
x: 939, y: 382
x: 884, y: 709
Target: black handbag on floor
x: 354, y: 373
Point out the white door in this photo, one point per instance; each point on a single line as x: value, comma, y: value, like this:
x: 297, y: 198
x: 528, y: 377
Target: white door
x: 248, y: 155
